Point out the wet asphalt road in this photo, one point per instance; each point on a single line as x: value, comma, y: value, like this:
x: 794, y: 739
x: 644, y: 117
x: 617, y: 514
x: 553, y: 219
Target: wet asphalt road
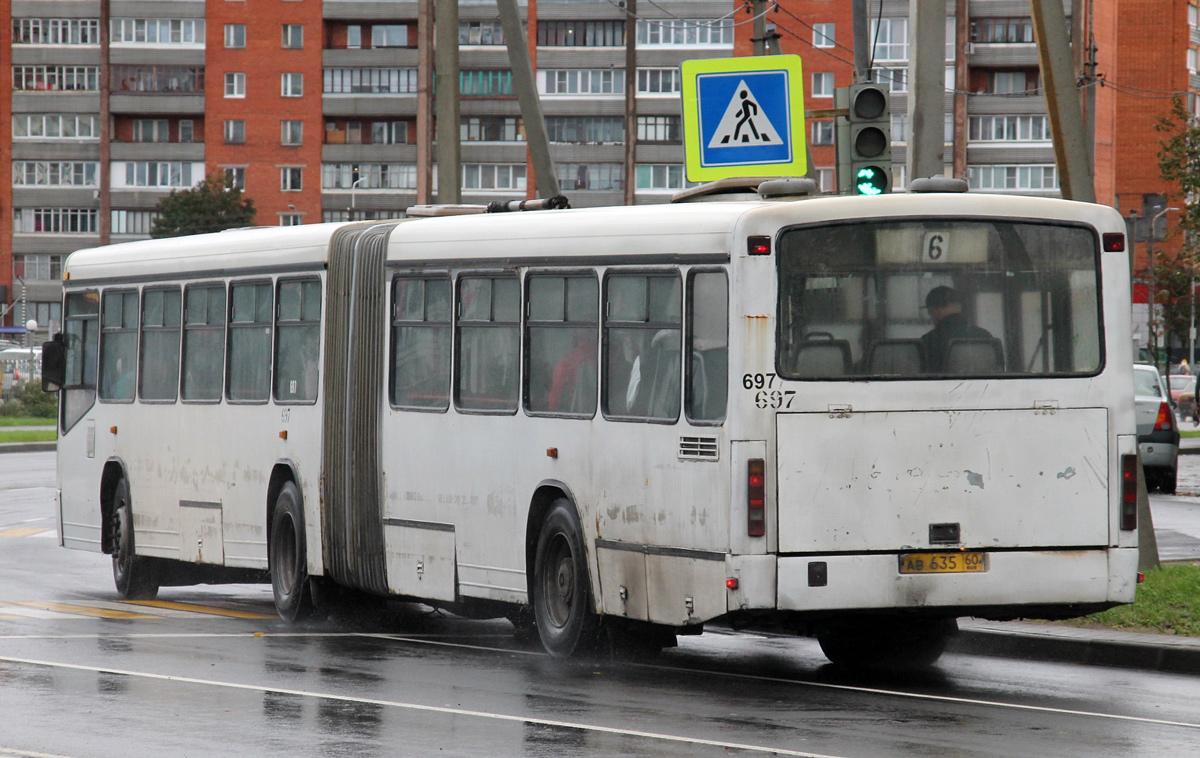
x: 211, y: 672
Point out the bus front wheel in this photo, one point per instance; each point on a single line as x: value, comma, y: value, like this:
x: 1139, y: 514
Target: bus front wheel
x: 887, y: 643
x: 134, y: 576
x: 287, y: 557
x: 562, y: 598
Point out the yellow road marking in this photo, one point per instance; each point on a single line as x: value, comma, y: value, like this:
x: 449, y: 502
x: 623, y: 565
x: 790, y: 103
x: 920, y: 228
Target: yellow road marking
x: 208, y: 609
x: 83, y: 610
x: 22, y: 531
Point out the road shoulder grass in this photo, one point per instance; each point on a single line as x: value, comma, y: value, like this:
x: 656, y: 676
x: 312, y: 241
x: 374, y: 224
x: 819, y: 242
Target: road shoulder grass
x: 1168, y: 602
x: 25, y: 421
x: 29, y: 435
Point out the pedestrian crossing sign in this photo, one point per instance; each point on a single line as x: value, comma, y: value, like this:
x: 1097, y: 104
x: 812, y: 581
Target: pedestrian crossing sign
x: 744, y: 117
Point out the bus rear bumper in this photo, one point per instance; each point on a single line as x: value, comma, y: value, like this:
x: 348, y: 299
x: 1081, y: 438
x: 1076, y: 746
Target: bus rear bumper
x: 1046, y: 578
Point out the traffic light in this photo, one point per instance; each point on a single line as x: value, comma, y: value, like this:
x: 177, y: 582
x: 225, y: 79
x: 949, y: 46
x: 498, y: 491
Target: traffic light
x: 864, y: 142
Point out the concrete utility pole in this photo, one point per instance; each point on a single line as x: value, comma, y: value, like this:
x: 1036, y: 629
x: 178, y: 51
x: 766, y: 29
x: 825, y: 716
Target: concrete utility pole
x: 424, y: 98
x: 630, y: 101
x: 962, y: 36
x: 527, y: 96
x: 1062, y: 100
x: 926, y: 89
x: 861, y: 30
x: 759, y: 8
x: 449, y: 154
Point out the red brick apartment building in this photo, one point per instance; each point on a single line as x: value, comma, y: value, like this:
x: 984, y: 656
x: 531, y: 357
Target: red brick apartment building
x: 310, y: 105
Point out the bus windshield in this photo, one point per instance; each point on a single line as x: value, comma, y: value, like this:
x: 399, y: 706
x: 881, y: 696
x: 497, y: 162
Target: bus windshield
x: 938, y: 298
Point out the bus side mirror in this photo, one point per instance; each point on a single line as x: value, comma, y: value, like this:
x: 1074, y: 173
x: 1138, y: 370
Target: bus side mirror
x: 54, y: 364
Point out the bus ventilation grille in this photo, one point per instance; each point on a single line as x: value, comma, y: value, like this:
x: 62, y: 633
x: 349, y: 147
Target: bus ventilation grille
x: 698, y: 448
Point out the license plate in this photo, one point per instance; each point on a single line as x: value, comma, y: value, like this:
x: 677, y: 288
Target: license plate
x: 942, y: 563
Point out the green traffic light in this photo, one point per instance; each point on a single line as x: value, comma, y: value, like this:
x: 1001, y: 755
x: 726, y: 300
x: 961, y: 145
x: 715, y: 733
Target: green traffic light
x: 870, y: 180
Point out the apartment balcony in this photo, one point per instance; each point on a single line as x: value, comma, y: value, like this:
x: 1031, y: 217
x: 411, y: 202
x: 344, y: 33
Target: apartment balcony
x: 1003, y: 55
x: 368, y: 153
x: 158, y: 151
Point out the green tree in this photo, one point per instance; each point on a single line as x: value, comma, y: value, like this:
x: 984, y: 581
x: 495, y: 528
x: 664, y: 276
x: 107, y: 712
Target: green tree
x: 210, y: 206
x: 1179, y: 164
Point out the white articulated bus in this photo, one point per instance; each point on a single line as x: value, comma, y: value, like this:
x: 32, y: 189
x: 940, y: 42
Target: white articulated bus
x: 857, y: 417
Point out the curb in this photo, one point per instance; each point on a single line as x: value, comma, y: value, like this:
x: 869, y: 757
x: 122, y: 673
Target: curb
x: 1175, y: 655
x: 28, y: 447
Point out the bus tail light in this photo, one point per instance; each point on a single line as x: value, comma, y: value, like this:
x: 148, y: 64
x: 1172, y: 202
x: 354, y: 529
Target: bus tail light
x: 1129, y: 493
x: 756, y: 497
x: 1165, y: 422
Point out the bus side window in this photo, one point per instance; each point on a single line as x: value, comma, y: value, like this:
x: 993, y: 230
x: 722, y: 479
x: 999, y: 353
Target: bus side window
x: 250, y: 342
x: 81, y: 328
x: 560, y: 372
x: 421, y: 343
x: 298, y: 346
x: 708, y: 346
x: 489, y: 343
x: 160, y: 344
x: 204, y: 342
x: 642, y: 326
x: 118, y: 345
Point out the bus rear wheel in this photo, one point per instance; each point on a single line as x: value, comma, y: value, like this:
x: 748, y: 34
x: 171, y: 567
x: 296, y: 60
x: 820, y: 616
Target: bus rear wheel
x: 562, y: 597
x: 134, y: 575
x: 887, y: 643
x: 287, y: 557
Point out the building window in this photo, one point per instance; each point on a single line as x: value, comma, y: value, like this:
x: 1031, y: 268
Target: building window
x: 370, y: 81
x: 992, y: 30
x: 235, y: 35
x: 480, y: 33
x: 890, y: 37
x: 54, y: 220
x: 1011, y: 82
x: 132, y: 222
x: 235, y: 132
x: 389, y: 132
x: 822, y: 85
x: 896, y: 79
x: 665, y: 129
x: 56, y: 31
x: 292, y: 85
x: 491, y: 83
x: 823, y: 35
x: 657, y: 81
x: 172, y: 79
x: 291, y: 179
x: 235, y: 84
x: 582, y: 81
x: 369, y: 176
x: 353, y: 37
x: 494, y: 176
x: 37, y: 268
x: 822, y: 132
x: 389, y: 35
x: 1013, y: 177
x: 235, y: 176
x: 48, y: 315
x: 55, y: 173
x: 56, y: 78
x: 490, y: 129
x: 187, y: 130
x: 293, y: 36
x: 586, y: 130
x: 662, y: 177
x: 581, y: 33
x: 561, y: 331
x: 825, y: 179
x: 54, y: 126
x: 1008, y: 129
x: 1192, y: 56
x: 421, y: 343
x: 158, y: 174
x: 161, y: 31
x: 291, y: 132
x: 590, y: 176
x: 685, y: 32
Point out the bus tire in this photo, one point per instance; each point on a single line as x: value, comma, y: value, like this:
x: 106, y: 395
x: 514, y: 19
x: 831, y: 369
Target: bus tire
x: 134, y: 575
x: 562, y: 596
x: 287, y: 557
x: 890, y: 644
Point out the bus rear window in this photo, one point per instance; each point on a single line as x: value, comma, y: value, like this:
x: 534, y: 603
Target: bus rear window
x: 938, y: 298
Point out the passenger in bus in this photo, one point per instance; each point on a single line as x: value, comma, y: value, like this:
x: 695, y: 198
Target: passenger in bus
x: 573, y: 381
x: 949, y: 323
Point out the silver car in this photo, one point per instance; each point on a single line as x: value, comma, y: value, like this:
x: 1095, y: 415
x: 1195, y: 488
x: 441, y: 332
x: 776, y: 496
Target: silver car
x: 1158, y: 434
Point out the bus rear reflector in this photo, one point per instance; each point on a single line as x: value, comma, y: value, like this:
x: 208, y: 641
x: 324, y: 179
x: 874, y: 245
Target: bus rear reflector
x: 1129, y: 493
x: 1114, y: 242
x: 1165, y: 422
x: 756, y: 499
